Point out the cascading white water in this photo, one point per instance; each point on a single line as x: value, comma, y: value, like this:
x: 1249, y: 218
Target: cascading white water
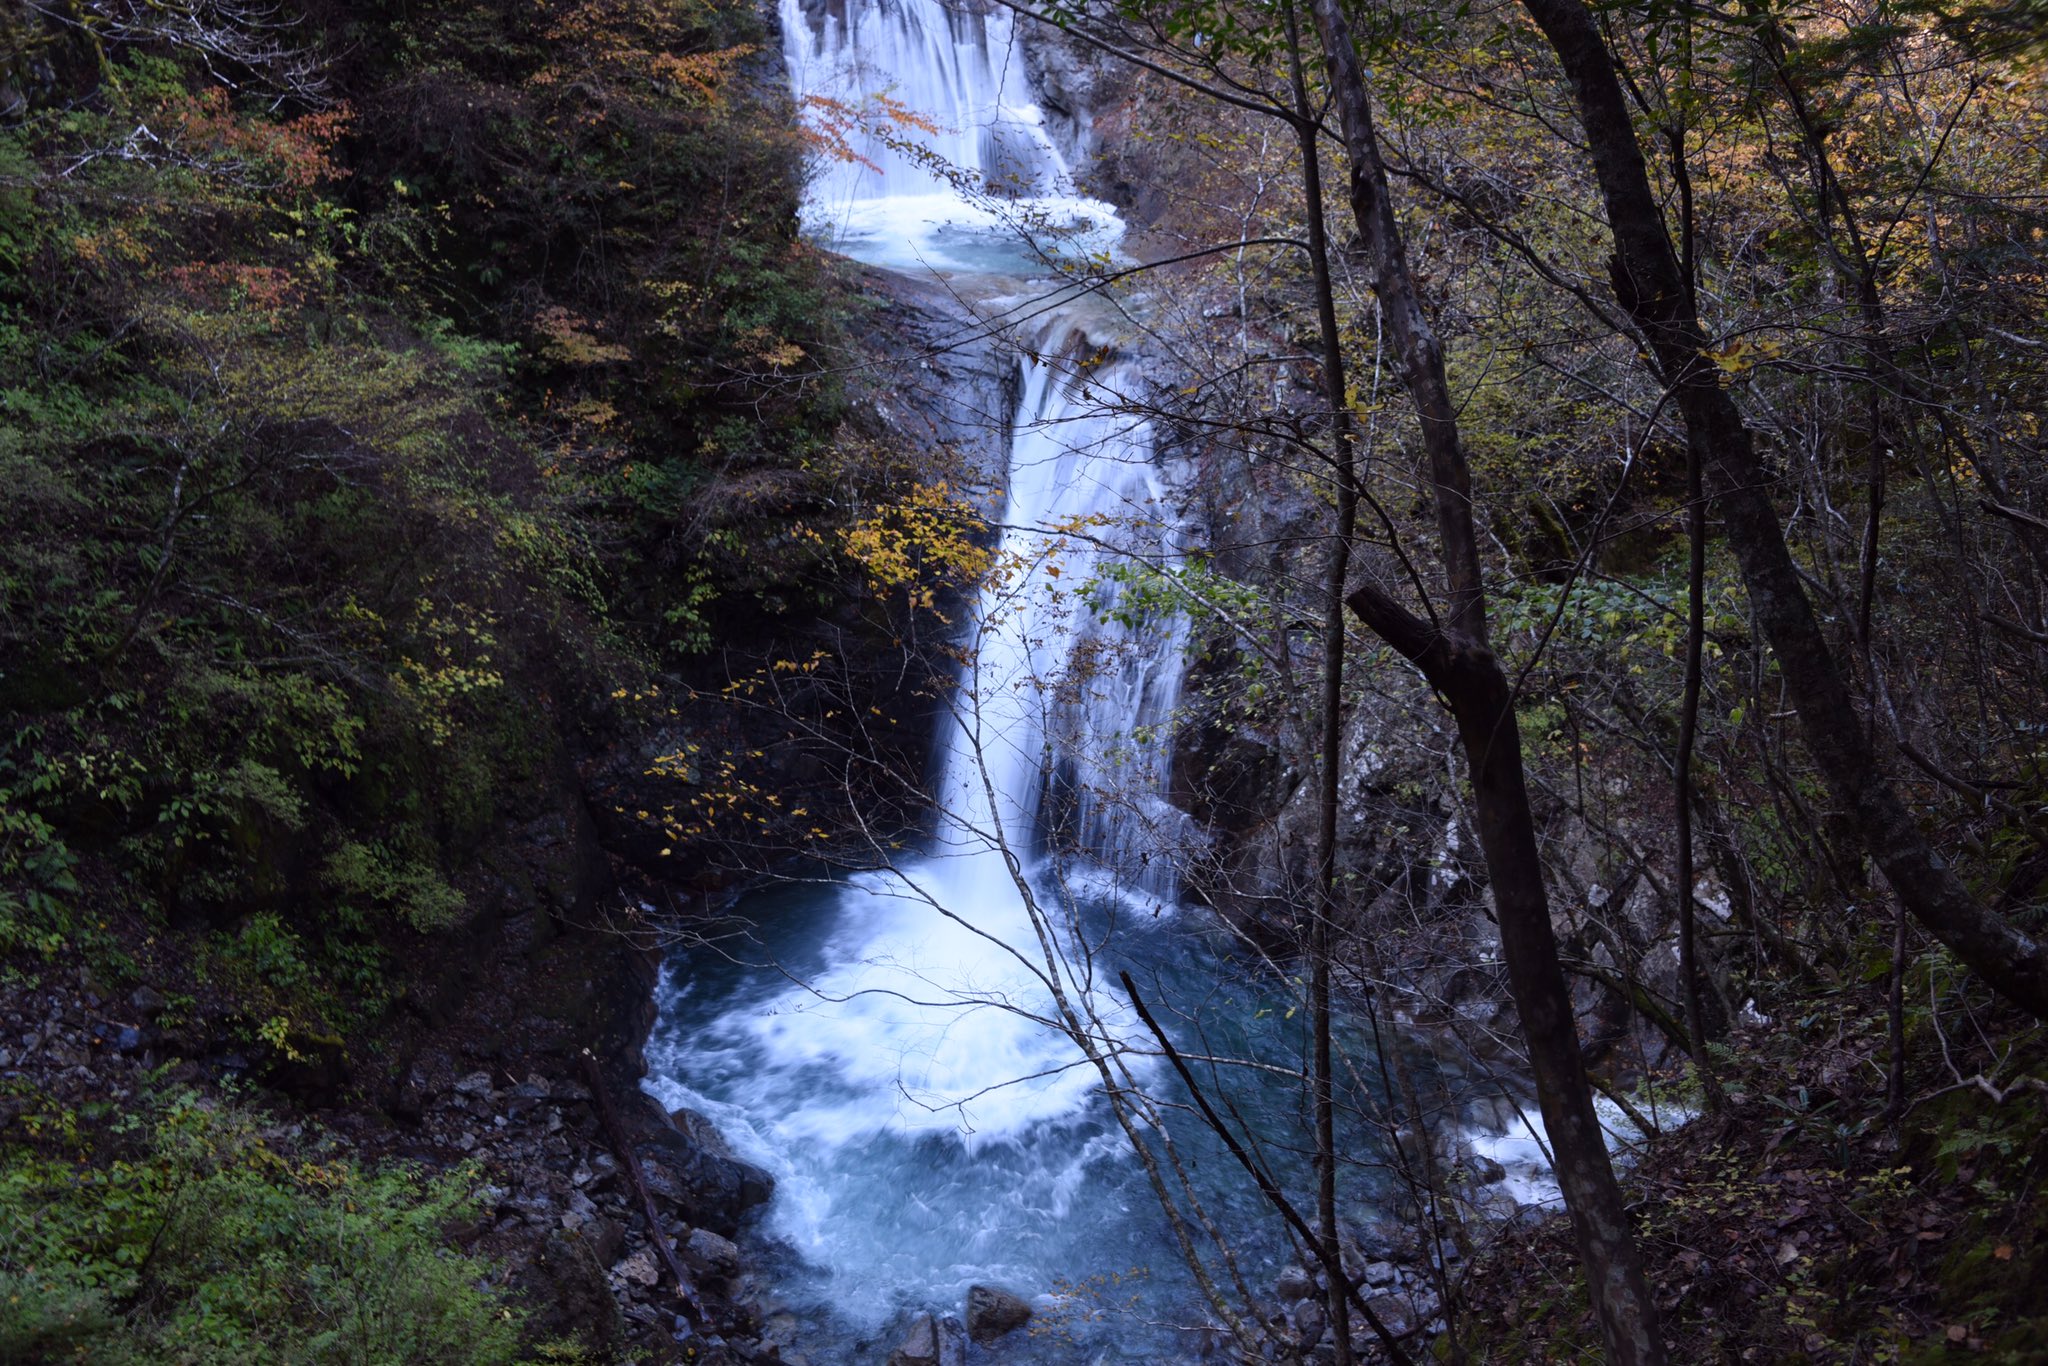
x: 938, y: 1006
x: 1055, y: 684
x: 928, y: 1121
x: 957, y: 99
x: 945, y: 145
x: 896, y: 1058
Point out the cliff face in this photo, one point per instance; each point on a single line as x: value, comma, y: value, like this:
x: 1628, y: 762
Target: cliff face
x: 1407, y: 858
x: 568, y: 893
x: 1414, y: 886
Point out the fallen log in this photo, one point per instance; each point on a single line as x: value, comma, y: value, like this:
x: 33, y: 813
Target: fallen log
x: 615, y: 1134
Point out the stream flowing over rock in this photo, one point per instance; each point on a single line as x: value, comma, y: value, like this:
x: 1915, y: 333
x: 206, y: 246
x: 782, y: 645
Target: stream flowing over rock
x: 915, y: 1052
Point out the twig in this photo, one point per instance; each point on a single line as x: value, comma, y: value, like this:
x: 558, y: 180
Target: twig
x: 1265, y: 1182
x: 2016, y: 628
x: 2013, y: 514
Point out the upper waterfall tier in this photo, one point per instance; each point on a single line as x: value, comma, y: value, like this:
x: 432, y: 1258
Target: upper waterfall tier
x: 956, y: 69
x: 942, y: 137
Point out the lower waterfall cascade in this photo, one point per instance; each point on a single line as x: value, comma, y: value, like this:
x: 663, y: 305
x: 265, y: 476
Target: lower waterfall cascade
x: 889, y: 1046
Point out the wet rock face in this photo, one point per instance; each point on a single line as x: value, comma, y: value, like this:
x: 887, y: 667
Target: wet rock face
x: 1230, y: 776
x: 700, y: 1131
x: 1294, y: 1283
x: 706, y: 1189
x: 933, y: 1340
x: 1091, y: 103
x: 707, y: 1254
x: 941, y: 386
x: 1405, y: 857
x: 1396, y: 1311
x: 920, y: 1346
x: 1407, y: 854
x: 1076, y: 83
x: 1310, y: 1320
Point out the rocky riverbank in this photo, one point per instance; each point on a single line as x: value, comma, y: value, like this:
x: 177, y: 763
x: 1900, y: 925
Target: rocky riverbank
x: 552, y: 1209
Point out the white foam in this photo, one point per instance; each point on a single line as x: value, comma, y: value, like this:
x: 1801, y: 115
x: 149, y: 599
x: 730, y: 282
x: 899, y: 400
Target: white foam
x: 1521, y: 1147
x: 923, y: 1106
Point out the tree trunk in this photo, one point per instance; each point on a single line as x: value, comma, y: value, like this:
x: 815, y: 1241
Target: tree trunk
x: 1344, y: 477
x: 1453, y: 653
x: 1649, y: 286
x: 1681, y: 767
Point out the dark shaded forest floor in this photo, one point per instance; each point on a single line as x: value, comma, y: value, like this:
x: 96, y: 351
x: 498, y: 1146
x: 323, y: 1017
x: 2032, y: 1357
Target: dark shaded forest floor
x: 1798, y: 1225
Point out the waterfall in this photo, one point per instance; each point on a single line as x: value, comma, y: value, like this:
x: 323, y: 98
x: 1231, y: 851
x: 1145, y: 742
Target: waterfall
x: 893, y: 1053
x: 945, y: 149
x: 956, y: 71
x: 1057, y: 687
x: 934, y: 1008
x: 900, y: 1069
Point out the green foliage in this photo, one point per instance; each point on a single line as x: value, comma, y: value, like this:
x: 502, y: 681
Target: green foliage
x: 337, y: 488
x: 199, y: 1241
x: 35, y: 879
x: 1133, y: 592
x: 371, y: 875
x: 268, y: 948
x: 1636, y: 622
x: 675, y: 389
x: 215, y: 434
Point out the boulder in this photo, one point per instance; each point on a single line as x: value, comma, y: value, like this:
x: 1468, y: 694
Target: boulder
x: 700, y: 1131
x: 1396, y: 1311
x: 993, y: 1311
x: 779, y: 1330
x: 67, y: 1054
x: 1294, y: 1283
x: 1310, y: 1319
x: 952, y: 1342
x: 707, y: 1190
x: 638, y: 1269
x: 707, y: 1253
x: 933, y: 1340
x: 607, y: 1239
x: 920, y: 1346
x: 582, y: 1209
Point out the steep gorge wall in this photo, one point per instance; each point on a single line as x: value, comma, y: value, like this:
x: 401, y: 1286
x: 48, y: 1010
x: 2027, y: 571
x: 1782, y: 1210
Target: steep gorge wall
x: 1414, y: 887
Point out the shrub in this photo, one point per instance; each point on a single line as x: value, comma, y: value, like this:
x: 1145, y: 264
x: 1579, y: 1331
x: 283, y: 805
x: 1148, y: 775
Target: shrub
x: 208, y: 1244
